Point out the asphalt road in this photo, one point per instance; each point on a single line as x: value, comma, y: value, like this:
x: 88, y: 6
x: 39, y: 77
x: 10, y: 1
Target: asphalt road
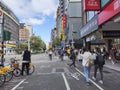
x: 57, y: 75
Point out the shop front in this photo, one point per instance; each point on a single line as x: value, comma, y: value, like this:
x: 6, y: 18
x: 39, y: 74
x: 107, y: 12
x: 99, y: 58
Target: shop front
x: 109, y: 21
x: 91, y: 35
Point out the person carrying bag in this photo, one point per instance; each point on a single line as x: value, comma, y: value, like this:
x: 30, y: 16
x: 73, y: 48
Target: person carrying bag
x: 85, y: 62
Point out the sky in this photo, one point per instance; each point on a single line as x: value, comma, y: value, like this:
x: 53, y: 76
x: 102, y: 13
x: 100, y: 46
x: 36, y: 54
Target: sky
x: 41, y: 14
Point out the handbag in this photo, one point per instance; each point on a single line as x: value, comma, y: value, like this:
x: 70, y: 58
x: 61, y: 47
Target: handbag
x: 89, y: 63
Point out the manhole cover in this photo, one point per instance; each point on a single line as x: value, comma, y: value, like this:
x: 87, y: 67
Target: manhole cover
x: 106, y: 72
x: 59, y: 70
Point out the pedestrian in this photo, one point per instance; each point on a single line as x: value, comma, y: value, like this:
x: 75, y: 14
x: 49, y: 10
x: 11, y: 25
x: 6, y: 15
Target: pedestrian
x: 73, y: 58
x: 79, y: 57
x: 26, y: 60
x: 98, y: 64
x: 112, y: 55
x: 50, y: 54
x: 61, y: 54
x: 86, y: 56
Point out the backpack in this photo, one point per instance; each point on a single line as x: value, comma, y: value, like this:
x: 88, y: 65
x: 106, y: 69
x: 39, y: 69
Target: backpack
x: 100, y: 59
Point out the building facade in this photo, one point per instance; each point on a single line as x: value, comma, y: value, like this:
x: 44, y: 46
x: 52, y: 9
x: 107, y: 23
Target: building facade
x: 25, y: 33
x: 101, y: 24
x: 9, y: 23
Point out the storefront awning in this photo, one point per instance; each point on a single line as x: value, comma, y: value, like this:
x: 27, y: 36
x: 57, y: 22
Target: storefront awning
x: 11, y: 45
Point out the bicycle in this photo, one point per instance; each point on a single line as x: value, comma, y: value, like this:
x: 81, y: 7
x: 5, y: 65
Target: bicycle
x: 17, y: 70
x: 2, y: 78
x: 8, y: 73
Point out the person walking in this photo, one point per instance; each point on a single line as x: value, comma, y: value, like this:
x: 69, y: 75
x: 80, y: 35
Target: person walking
x: 98, y: 64
x: 61, y: 54
x: 73, y: 58
x: 112, y: 55
x: 26, y: 60
x: 86, y: 56
x: 50, y: 54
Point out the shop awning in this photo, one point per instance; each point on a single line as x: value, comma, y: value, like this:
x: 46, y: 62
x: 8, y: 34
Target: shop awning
x: 11, y: 45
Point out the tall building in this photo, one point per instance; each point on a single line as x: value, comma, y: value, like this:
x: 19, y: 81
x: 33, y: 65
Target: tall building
x: 10, y: 24
x: 74, y: 23
x: 25, y: 33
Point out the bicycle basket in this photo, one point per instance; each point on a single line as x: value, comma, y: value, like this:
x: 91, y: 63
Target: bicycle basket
x: 16, y: 65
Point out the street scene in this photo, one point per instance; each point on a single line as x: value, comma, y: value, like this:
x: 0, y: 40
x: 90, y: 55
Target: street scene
x: 57, y: 75
x: 59, y: 44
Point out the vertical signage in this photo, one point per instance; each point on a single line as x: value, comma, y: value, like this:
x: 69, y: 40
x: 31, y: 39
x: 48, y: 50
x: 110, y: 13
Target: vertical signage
x: 1, y: 16
x: 64, y: 18
x: 91, y: 5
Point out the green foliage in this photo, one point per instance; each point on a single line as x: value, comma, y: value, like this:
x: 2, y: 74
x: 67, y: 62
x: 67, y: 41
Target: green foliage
x: 22, y: 46
x: 36, y: 44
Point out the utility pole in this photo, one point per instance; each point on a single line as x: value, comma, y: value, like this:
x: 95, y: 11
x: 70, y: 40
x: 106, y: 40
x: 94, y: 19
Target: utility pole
x: 1, y: 39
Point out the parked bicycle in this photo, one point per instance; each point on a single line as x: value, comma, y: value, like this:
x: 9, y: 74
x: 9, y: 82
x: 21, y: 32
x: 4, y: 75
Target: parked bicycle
x: 2, y: 78
x: 17, y: 70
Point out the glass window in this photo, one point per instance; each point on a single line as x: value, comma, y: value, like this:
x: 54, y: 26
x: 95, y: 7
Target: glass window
x: 91, y: 14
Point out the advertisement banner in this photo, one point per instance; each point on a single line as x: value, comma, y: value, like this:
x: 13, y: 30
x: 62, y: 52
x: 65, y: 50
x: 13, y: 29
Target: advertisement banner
x: 64, y: 19
x: 90, y: 27
x: 91, y: 5
x: 109, y: 12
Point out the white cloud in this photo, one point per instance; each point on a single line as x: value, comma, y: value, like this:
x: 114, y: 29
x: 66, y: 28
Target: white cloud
x: 31, y: 10
x: 33, y: 21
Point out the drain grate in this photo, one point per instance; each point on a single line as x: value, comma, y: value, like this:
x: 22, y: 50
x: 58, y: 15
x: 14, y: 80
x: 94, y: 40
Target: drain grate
x: 106, y: 72
x: 59, y: 70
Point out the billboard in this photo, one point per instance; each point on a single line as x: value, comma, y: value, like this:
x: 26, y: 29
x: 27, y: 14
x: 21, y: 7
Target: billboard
x: 109, y: 12
x: 91, y: 5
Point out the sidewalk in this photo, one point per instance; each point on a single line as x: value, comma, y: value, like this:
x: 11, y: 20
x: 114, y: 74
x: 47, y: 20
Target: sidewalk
x: 108, y: 64
x: 115, y: 66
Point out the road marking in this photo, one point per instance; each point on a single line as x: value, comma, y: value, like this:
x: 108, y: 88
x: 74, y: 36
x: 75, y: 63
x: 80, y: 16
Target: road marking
x: 18, y: 84
x: 66, y: 82
x: 100, y: 88
x: 74, y: 75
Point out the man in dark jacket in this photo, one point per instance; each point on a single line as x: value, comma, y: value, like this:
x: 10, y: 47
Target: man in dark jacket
x: 73, y: 58
x: 26, y: 60
x: 98, y: 64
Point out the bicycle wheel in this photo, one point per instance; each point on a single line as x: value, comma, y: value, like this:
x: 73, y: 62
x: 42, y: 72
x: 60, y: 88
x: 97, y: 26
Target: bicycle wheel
x: 31, y: 69
x: 2, y: 80
x: 8, y: 76
x: 17, y: 72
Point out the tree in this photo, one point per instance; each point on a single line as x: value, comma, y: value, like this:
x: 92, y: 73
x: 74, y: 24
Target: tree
x: 36, y: 44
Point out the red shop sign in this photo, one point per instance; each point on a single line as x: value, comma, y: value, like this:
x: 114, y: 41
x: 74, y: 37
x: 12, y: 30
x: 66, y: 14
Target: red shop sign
x: 109, y: 12
x: 91, y: 5
x: 64, y: 18
x: 0, y: 13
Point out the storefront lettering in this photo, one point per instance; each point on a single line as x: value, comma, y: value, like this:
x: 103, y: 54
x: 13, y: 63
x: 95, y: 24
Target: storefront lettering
x: 117, y: 4
x: 90, y: 27
x: 92, y: 3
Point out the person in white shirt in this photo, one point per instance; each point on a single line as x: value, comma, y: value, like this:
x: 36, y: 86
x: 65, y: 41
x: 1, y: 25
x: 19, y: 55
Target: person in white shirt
x: 86, y: 56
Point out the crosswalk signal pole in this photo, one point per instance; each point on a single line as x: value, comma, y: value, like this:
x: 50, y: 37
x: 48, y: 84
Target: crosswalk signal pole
x: 2, y: 57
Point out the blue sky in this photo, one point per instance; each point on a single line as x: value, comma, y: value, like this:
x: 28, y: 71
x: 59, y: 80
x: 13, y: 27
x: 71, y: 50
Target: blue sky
x: 41, y: 14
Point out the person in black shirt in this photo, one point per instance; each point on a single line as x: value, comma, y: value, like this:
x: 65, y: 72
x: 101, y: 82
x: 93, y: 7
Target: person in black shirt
x: 26, y: 60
